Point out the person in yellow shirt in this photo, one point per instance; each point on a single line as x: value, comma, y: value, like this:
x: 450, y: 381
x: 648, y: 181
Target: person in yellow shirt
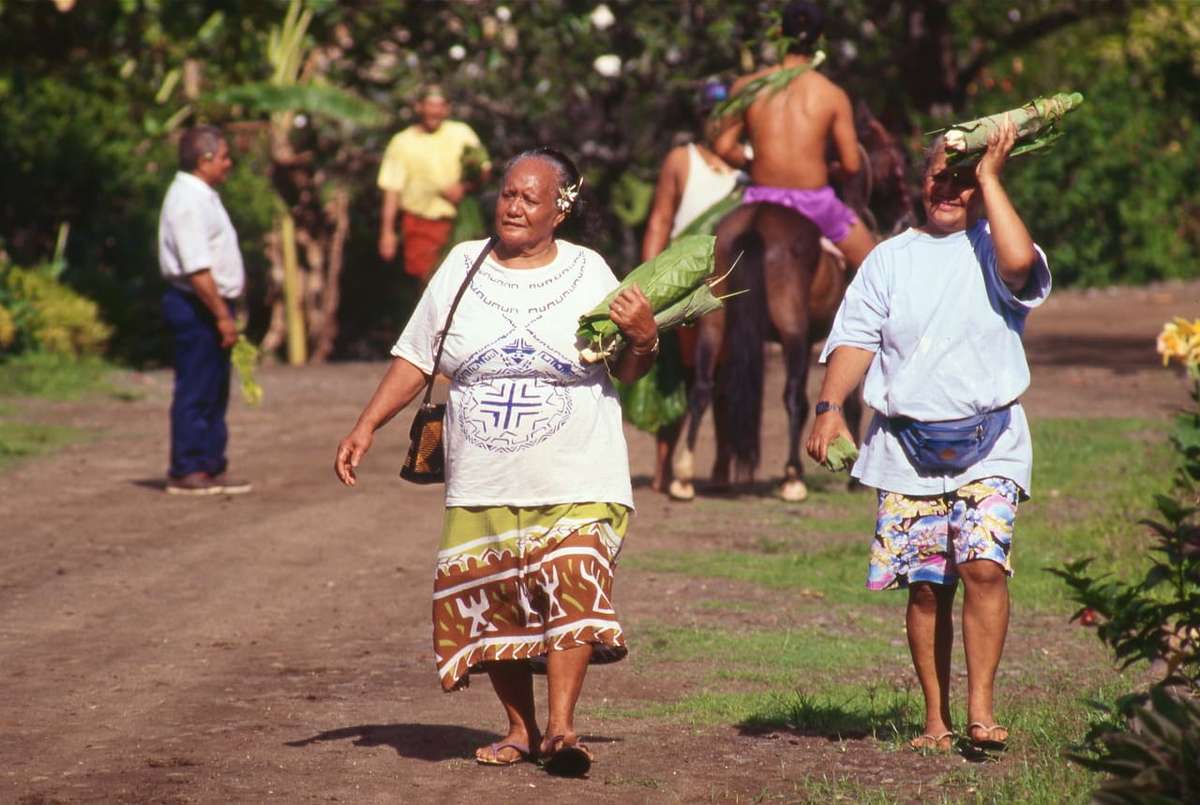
x: 421, y: 175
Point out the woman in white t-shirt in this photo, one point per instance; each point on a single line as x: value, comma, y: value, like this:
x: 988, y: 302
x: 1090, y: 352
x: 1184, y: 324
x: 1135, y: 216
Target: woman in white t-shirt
x: 537, y: 473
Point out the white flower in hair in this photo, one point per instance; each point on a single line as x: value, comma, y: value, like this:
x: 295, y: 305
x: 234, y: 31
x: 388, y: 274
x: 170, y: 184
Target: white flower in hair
x: 567, y: 195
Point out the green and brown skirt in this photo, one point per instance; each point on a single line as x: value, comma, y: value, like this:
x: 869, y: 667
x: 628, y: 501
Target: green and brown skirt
x: 515, y: 583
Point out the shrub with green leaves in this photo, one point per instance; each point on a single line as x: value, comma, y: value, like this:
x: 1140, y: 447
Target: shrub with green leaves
x: 40, y: 314
x: 1155, y: 619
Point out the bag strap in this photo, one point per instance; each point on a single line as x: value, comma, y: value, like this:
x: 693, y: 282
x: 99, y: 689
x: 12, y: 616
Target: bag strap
x: 437, y: 360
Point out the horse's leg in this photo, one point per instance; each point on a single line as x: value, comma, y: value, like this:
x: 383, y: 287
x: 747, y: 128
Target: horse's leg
x: 796, y: 354
x: 709, y: 331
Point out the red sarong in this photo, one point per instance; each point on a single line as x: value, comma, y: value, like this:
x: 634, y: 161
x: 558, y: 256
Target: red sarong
x: 424, y: 239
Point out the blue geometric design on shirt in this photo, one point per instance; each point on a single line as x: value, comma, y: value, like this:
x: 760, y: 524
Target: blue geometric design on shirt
x: 504, y: 415
x: 506, y: 401
x: 518, y: 354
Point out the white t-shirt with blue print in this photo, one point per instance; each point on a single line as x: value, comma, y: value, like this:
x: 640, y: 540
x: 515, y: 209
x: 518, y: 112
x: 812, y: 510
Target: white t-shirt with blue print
x: 946, y: 333
x: 527, y: 424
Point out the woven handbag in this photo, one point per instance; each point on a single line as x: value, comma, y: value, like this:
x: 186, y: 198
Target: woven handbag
x: 426, y: 459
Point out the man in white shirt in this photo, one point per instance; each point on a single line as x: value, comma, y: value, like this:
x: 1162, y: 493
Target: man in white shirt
x: 199, y: 256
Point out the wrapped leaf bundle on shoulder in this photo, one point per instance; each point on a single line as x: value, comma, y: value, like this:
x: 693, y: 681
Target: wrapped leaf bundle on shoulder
x: 1037, y: 125
x: 674, y: 282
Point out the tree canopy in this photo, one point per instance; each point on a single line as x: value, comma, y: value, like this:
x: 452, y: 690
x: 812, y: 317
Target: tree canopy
x: 90, y: 93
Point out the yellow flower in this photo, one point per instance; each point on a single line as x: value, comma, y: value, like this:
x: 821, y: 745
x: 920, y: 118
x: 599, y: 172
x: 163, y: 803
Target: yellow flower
x: 1171, y: 342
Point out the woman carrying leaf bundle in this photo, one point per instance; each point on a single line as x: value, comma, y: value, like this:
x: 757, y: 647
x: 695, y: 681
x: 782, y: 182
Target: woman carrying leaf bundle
x: 934, y: 321
x: 538, y: 492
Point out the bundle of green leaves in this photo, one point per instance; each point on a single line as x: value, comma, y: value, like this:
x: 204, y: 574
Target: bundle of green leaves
x: 678, y: 283
x: 1036, y: 122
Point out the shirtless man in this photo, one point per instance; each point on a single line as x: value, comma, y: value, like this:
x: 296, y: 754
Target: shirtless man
x: 788, y: 131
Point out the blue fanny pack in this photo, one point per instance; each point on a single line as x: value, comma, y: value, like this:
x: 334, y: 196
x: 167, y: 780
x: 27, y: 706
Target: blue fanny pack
x: 948, y: 448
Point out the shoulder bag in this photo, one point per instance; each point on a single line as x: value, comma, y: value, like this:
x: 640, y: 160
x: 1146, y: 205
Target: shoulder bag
x: 426, y: 459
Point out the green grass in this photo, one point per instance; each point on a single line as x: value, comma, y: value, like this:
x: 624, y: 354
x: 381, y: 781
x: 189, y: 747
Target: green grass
x: 1094, y: 480
x: 40, y: 376
x: 20, y: 440
x: 786, y: 651
x: 843, y: 670
x: 54, y: 377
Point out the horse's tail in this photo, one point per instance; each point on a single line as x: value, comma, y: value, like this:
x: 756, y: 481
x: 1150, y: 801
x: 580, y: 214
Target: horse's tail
x: 745, y: 335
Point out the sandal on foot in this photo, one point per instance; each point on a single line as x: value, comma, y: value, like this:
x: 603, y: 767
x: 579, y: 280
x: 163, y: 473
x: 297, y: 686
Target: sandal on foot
x: 523, y: 754
x: 930, y: 742
x: 567, y: 759
x: 991, y: 742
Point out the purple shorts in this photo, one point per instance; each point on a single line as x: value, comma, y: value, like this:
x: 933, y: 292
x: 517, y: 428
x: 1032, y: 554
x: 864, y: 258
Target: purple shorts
x: 821, y: 206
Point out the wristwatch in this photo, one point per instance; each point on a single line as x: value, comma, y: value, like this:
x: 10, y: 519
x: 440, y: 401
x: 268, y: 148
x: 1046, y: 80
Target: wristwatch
x: 826, y: 405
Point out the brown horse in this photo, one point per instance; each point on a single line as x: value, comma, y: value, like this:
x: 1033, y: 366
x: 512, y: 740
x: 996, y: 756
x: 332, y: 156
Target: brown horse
x: 791, y: 288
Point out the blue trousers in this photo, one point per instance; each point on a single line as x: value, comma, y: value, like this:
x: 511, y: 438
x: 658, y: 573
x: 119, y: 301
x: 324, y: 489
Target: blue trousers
x: 198, y: 432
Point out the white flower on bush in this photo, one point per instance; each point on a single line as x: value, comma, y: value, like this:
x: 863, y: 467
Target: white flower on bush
x: 602, y: 17
x: 458, y: 52
x: 503, y: 14
x: 608, y: 65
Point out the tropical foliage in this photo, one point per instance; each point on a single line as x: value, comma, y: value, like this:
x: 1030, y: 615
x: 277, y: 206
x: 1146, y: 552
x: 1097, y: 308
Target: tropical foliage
x: 91, y: 95
x: 1155, y: 619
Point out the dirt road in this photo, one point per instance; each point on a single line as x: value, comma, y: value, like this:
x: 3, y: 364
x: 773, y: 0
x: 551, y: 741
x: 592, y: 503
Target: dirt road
x: 277, y: 646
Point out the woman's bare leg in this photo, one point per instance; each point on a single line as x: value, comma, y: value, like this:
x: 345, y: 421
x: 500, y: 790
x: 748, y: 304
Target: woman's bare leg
x: 930, y: 625
x: 513, y: 683
x: 565, y: 671
x: 985, y: 626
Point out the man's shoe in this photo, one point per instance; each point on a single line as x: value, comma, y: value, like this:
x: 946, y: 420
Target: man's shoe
x: 230, y: 486
x: 194, y: 483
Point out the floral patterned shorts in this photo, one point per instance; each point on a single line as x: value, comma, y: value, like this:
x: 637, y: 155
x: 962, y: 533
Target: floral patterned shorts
x: 913, y: 535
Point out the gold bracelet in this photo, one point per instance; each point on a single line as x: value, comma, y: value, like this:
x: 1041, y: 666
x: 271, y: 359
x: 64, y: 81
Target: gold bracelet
x: 653, y: 348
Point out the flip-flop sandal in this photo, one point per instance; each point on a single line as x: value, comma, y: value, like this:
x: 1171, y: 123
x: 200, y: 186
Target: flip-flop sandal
x: 931, y: 742
x: 523, y: 754
x: 988, y: 744
x: 567, y: 760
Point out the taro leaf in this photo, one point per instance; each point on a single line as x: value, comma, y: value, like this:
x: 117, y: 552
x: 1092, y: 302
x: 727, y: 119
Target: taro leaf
x: 665, y: 279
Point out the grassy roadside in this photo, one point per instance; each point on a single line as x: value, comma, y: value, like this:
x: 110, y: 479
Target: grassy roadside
x: 29, y: 379
x: 840, y: 668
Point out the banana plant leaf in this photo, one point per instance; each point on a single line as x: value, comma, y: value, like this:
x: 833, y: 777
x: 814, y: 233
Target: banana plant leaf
x: 318, y: 99
x: 1037, y: 125
x: 658, y: 398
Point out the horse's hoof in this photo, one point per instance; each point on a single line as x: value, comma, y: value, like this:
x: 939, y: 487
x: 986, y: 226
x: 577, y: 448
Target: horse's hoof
x: 793, y: 491
x: 681, y: 490
x: 684, y: 465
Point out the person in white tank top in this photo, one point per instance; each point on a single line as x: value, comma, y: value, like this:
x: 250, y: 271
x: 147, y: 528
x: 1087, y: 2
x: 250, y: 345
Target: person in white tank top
x: 692, y: 178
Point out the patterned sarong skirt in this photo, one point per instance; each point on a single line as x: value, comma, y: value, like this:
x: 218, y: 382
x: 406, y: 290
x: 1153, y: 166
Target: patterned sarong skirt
x: 515, y: 583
